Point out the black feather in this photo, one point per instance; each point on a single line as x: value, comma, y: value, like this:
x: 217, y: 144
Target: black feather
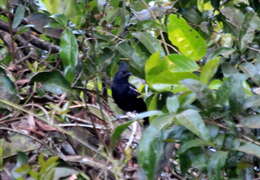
x: 124, y: 94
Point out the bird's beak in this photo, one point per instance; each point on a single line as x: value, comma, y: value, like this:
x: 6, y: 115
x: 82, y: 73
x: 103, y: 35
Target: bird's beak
x: 128, y: 74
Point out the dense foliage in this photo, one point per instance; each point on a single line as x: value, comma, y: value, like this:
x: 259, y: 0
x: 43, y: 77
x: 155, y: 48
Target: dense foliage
x: 200, y: 60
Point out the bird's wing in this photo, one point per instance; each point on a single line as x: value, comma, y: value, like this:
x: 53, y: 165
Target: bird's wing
x: 132, y: 91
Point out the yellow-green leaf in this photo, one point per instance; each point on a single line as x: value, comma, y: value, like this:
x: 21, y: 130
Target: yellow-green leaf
x: 189, y: 42
x: 209, y: 70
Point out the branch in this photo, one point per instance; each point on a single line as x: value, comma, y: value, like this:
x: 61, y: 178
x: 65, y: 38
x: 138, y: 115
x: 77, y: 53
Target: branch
x: 35, y: 41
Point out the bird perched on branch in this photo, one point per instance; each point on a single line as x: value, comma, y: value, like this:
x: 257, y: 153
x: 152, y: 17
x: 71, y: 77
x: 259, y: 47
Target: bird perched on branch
x: 125, y: 94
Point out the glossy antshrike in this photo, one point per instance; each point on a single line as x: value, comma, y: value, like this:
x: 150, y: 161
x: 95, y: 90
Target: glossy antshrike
x: 124, y: 94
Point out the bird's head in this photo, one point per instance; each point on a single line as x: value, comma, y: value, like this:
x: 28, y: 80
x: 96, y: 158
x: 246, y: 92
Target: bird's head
x: 123, y: 74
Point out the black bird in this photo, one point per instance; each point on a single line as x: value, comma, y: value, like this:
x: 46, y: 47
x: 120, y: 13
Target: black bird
x: 124, y: 94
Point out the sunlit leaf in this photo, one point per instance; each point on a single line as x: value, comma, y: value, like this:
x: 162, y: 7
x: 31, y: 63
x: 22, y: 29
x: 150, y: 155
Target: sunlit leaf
x: 68, y: 7
x: 158, y: 71
x: 180, y: 63
x: 215, y: 84
x: 209, y: 70
x: 3, y: 3
x: 204, y: 5
x: 188, y: 40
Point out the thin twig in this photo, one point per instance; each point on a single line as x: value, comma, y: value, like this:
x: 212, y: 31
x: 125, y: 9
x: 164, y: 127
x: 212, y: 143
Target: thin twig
x: 254, y: 49
x: 80, y: 125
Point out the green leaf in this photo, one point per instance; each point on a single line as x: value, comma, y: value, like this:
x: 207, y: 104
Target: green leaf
x: 167, y: 77
x: 221, y: 51
x: 152, y: 105
x: 172, y: 104
x: 115, y: 3
x: 234, y: 15
x: 20, y: 142
x: 192, y: 120
x: 41, y: 160
x: 68, y: 7
x: 187, y: 99
x: 209, y: 70
x: 7, y: 89
x: 63, y: 172
x: 22, y: 169
x: 250, y: 25
x: 203, y: 94
x: 215, y: 84
x: 21, y: 166
x: 181, y: 63
x: 150, y: 150
x: 152, y: 44
x: 134, y: 53
x: 249, y: 148
x: 18, y: 16
x: 22, y: 158
x: 250, y: 121
x: 158, y: 71
x: 69, y: 54
x: 237, y: 94
x: 34, y: 174
x: 148, y: 114
x: 51, y: 161
x: 216, y: 163
x: 3, y: 3
x: 118, y: 131
x: 192, y: 143
x: 252, y: 70
x: 188, y: 40
x: 155, y: 65
x: 204, y: 5
x: 175, y: 88
x: 60, y: 21
x: 252, y: 101
x: 53, y: 82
